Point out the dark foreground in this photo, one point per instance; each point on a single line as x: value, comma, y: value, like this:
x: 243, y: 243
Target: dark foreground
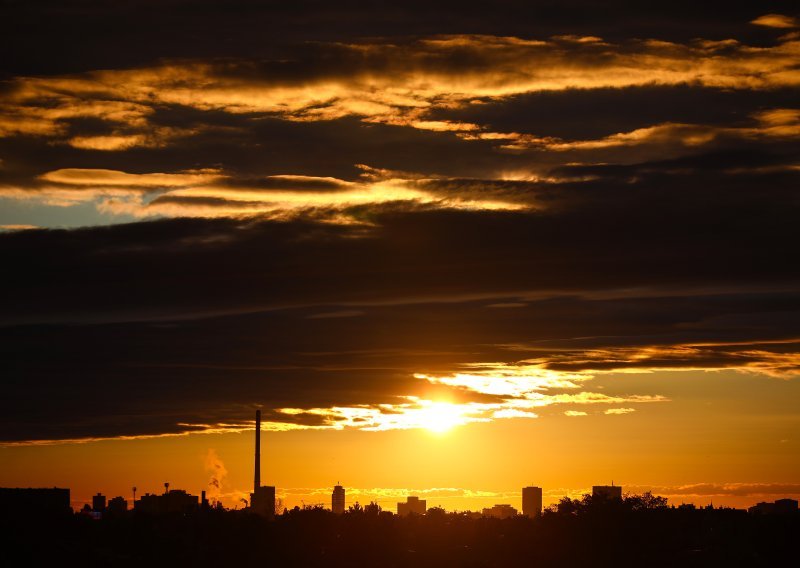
x: 600, y: 536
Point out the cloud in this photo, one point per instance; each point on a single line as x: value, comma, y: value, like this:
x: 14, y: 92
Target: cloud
x: 102, y: 178
x: 211, y: 193
x: 723, y: 489
x: 339, y: 314
x: 575, y: 413
x: 776, y: 21
x: 130, y: 306
x: 17, y: 227
x: 619, y: 411
x: 382, y: 233
x: 378, y: 82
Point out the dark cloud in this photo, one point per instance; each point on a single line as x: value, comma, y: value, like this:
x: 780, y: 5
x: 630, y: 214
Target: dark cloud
x: 644, y: 220
x: 154, y: 377
x: 679, y: 229
x: 691, y: 262
x: 580, y: 114
x: 92, y: 34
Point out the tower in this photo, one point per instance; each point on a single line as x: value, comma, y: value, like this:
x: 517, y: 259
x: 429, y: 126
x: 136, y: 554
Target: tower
x: 262, y: 499
x: 531, y: 501
x: 257, y: 476
x: 337, y: 499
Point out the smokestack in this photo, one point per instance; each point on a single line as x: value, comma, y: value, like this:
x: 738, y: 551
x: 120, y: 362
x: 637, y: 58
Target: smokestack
x: 257, y: 482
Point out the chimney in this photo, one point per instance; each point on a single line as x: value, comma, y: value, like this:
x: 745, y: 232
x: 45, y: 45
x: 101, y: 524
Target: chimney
x: 257, y: 483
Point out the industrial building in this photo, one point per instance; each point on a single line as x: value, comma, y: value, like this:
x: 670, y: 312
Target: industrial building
x: 262, y: 499
x: 412, y: 506
x: 337, y: 500
x: 532, y: 501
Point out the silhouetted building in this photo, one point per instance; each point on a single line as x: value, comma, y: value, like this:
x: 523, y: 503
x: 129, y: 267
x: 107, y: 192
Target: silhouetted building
x: 99, y: 503
x: 262, y: 499
x: 500, y: 512
x: 337, y: 500
x: 172, y: 501
x: 779, y: 507
x: 412, y: 506
x: 607, y: 492
x: 117, y: 506
x: 34, y: 501
x: 531, y: 501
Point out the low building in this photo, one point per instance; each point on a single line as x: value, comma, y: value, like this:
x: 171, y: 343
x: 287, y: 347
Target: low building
x: 172, y: 501
x: 607, y: 492
x: 412, y: 506
x: 34, y: 501
x: 500, y: 512
x: 779, y: 507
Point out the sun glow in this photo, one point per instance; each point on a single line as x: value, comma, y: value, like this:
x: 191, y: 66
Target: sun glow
x: 439, y: 417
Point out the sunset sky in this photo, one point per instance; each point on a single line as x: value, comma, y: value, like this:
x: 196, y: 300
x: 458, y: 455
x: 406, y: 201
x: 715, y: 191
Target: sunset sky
x: 449, y: 251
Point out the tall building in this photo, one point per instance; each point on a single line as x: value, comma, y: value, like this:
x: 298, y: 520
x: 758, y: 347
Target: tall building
x: 337, y: 500
x: 262, y: 499
x: 500, y: 512
x: 99, y: 503
x: 412, y: 506
x: 531, y: 501
x: 607, y: 492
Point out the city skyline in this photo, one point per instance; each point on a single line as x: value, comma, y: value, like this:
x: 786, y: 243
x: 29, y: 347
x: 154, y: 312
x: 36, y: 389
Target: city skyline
x: 268, y: 501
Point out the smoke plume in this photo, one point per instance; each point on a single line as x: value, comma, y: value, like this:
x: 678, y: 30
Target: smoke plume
x: 218, y: 471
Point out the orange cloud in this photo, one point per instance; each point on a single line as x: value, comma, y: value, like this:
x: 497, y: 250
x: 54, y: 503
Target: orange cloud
x: 776, y: 21
x: 385, y: 83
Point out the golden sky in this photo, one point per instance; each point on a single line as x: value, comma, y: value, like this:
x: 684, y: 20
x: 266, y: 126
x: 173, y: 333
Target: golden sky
x: 445, y: 256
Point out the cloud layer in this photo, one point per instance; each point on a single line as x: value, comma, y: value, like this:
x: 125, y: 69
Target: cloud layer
x: 374, y: 226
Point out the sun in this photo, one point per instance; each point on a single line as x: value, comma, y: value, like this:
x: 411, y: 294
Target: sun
x: 439, y: 417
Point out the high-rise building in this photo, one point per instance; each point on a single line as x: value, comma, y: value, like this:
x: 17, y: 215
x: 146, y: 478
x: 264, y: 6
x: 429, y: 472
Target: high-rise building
x: 607, y: 492
x: 337, y: 500
x: 99, y: 503
x: 412, y: 506
x: 500, y: 512
x: 531, y: 501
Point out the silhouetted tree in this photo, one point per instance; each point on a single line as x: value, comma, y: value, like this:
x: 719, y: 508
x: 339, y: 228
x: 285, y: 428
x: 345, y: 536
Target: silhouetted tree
x: 645, y: 501
x: 373, y: 509
x: 567, y: 506
x: 436, y: 513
